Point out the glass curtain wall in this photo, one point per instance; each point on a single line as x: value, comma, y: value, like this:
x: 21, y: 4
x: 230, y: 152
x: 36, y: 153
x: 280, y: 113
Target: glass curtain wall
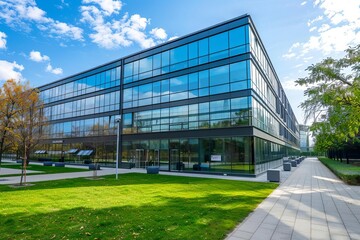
x: 213, y: 155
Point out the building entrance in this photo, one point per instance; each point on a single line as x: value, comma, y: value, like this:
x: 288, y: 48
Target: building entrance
x: 175, y: 163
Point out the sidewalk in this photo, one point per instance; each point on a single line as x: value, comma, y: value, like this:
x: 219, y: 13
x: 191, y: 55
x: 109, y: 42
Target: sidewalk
x: 311, y: 204
x: 109, y: 171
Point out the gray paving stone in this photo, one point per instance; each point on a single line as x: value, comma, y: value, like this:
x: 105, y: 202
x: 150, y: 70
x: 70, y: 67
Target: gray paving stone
x: 312, y: 203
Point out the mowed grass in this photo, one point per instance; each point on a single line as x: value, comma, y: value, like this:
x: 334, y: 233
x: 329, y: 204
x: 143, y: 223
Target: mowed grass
x: 137, y: 206
x: 347, y: 172
x: 43, y: 169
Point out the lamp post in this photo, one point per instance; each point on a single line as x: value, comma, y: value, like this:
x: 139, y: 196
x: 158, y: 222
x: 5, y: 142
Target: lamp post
x: 118, y: 120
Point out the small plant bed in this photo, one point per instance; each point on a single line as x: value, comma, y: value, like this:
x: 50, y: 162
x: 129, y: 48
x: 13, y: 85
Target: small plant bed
x: 136, y: 206
x: 42, y: 169
x: 347, y: 172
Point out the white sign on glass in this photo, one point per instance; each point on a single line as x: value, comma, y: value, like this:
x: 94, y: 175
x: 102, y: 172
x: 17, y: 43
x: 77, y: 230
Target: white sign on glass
x: 216, y: 158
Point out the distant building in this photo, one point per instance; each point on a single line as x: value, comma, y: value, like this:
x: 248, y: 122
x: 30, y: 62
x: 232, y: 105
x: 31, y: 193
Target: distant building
x: 304, y: 138
x: 208, y: 102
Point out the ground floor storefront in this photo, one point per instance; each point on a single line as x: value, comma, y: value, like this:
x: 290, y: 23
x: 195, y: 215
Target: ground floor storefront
x: 235, y: 155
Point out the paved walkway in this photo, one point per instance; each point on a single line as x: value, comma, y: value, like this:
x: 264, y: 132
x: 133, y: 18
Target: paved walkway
x: 311, y: 204
x: 109, y: 171
x: 8, y: 171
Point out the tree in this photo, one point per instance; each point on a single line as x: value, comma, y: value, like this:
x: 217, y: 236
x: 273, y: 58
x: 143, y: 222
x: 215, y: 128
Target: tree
x: 333, y: 96
x: 10, y: 96
x: 28, y: 123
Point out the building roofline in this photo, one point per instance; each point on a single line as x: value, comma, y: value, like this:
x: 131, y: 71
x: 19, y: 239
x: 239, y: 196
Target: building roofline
x: 151, y: 48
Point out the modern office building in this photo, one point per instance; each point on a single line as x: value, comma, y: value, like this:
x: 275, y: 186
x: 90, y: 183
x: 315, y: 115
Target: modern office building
x: 208, y: 102
x: 304, y: 138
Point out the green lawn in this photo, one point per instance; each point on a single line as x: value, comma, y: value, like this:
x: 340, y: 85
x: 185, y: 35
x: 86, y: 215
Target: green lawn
x: 347, y: 172
x: 137, y: 206
x: 43, y: 169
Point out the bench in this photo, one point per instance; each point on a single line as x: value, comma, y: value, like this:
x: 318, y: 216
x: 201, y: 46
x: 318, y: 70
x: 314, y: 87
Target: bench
x: 59, y: 164
x: 287, y: 166
x: 47, y: 163
x: 204, y: 167
x: 94, y: 167
x: 152, y: 170
x: 273, y: 175
x: 126, y: 165
x: 196, y: 167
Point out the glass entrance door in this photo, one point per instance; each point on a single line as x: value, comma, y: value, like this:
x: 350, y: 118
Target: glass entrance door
x: 139, y: 158
x: 153, y: 157
x: 175, y: 163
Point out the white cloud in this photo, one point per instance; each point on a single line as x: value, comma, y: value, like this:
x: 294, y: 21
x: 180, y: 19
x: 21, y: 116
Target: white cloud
x: 312, y: 29
x: 108, y: 6
x: 23, y: 13
x: 303, y: 3
x: 289, y: 55
x: 318, y: 18
x: 36, y: 57
x: 324, y: 28
x: 10, y: 70
x: 2, y: 40
x: 112, y: 31
x: 36, y: 14
x: 63, y: 29
x: 173, y: 38
x: 337, y: 29
x: 159, y: 33
x: 55, y: 71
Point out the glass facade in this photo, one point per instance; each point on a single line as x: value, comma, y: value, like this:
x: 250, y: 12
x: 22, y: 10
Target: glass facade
x: 209, y: 102
x: 208, y: 49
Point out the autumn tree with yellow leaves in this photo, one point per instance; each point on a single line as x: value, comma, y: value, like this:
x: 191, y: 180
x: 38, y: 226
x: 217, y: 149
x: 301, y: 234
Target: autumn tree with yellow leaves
x: 21, y: 120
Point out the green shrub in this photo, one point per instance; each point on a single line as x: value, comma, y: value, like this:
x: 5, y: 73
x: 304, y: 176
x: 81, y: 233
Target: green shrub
x: 346, y: 172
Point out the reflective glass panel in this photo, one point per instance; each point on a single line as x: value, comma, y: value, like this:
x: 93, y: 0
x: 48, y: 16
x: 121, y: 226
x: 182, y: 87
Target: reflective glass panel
x: 219, y: 42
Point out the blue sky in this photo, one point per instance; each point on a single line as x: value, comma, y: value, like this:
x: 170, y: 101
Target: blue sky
x: 43, y: 41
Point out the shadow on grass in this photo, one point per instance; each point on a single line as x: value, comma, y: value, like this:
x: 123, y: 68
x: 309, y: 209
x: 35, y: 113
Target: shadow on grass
x: 135, y: 179
x: 209, y: 217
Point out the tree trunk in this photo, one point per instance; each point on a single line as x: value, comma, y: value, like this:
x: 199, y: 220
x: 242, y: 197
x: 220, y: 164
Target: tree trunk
x: 1, y: 149
x: 22, y: 173
x: 347, y: 158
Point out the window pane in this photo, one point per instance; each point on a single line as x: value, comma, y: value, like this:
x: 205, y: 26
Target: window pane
x: 178, y: 54
x: 179, y: 84
x: 127, y: 94
x: 237, y: 37
x: 156, y: 89
x: 145, y: 91
x: 239, y: 86
x: 204, y: 78
x: 221, y: 105
x: 219, y: 89
x: 238, y: 71
x: 136, y: 67
x: 193, y: 50
x: 193, y: 81
x: 219, y: 75
x: 204, y: 47
x: 157, y: 61
x: 146, y: 64
x: 165, y: 59
x: 128, y: 70
x: 238, y: 103
x: 165, y: 87
x: 219, y: 42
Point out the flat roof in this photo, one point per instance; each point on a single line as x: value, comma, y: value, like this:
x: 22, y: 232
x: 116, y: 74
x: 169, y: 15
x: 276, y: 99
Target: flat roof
x: 148, y: 49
